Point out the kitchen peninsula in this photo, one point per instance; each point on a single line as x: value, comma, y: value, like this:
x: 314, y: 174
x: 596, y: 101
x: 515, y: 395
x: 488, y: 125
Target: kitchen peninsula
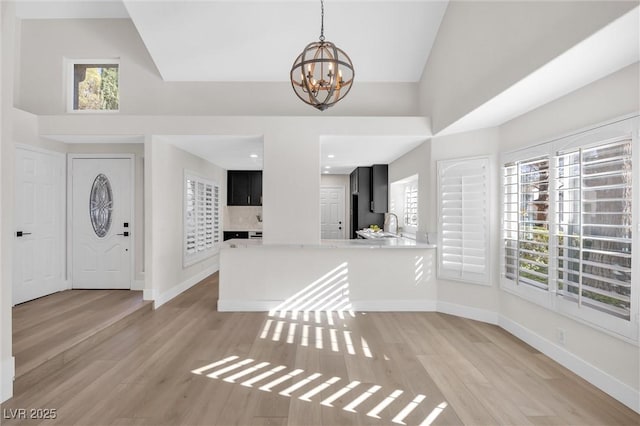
x: 387, y: 274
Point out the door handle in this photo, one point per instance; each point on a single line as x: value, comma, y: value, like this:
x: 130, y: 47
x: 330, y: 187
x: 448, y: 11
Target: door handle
x: 20, y: 233
x: 125, y: 234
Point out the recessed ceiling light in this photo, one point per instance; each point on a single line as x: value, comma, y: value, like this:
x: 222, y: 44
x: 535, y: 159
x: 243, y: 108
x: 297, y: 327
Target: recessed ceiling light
x: 327, y: 167
x: 331, y: 156
x: 325, y: 172
x: 253, y: 155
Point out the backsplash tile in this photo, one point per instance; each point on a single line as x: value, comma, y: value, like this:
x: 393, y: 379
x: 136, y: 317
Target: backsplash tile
x: 242, y: 218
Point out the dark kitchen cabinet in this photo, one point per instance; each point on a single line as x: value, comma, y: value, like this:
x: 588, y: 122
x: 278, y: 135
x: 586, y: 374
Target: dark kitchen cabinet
x: 232, y: 235
x: 379, y: 188
x: 361, y: 214
x: 244, y: 188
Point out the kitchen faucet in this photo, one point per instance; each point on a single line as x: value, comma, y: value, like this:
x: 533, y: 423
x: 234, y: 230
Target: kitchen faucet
x: 392, y: 228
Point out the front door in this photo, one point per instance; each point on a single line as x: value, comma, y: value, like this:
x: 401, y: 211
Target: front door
x: 332, y: 213
x: 101, y: 222
x: 39, y: 224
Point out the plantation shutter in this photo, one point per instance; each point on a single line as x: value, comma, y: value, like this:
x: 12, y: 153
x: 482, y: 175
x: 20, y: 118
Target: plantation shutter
x: 190, y: 221
x: 594, y: 237
x: 463, y: 234
x: 201, y: 218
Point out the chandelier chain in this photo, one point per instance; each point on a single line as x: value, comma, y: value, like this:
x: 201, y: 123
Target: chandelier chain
x: 321, y: 20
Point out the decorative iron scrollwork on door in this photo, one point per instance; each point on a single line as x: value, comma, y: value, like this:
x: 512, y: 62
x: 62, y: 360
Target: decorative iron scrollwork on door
x: 101, y: 205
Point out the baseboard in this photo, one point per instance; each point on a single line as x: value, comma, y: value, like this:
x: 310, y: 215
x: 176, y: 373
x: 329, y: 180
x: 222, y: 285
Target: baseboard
x: 358, y: 306
x: 149, y: 294
x: 234, y: 305
x: 468, y: 312
x: 7, y: 373
x: 394, y: 305
x: 183, y: 286
x: 600, y: 379
x: 137, y: 285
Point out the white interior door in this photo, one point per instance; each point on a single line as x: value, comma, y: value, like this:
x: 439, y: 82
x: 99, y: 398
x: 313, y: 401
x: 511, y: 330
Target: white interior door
x: 38, y: 262
x: 101, y: 222
x: 332, y: 212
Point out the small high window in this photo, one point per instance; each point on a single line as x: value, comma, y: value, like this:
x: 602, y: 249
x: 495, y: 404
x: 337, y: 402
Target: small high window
x: 94, y: 85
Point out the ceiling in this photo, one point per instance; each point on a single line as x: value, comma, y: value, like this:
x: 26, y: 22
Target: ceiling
x: 388, y: 41
x: 231, y: 152
x: 350, y: 152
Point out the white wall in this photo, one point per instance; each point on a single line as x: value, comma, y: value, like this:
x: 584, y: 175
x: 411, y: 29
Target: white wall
x: 465, y: 145
x: 609, y: 362
x: 45, y: 44
x: 484, y: 47
x: 166, y: 187
x: 416, y: 161
x: 378, y: 279
x: 291, y: 175
x: 26, y: 132
x: 7, y: 365
x: 343, y: 181
x: 605, y: 99
x: 611, y: 97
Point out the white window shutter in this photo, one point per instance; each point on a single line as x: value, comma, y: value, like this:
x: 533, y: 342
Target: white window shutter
x: 463, y: 224
x: 201, y: 219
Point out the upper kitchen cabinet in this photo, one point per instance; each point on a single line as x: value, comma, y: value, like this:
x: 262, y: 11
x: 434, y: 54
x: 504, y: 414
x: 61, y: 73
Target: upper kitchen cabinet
x: 379, y: 188
x: 244, y: 188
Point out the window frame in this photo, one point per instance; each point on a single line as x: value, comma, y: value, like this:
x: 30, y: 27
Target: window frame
x: 70, y: 86
x: 549, y: 298
x: 189, y: 259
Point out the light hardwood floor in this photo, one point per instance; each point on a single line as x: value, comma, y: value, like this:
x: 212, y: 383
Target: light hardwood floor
x: 188, y: 364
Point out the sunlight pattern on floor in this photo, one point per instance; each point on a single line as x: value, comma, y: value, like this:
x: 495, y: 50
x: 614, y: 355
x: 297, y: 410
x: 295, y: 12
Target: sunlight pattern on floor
x: 316, y: 329
x: 308, y: 388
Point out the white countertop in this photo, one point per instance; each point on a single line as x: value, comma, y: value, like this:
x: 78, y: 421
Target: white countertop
x: 242, y: 229
x: 394, y: 243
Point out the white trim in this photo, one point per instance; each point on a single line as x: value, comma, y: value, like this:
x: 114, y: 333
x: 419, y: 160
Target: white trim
x: 149, y: 294
x: 588, y: 137
x: 69, y: 78
x: 244, y: 305
x: 600, y: 379
x: 137, y: 285
x: 476, y: 314
x: 398, y: 305
x: 132, y: 223
x: 7, y: 375
x: 174, y: 291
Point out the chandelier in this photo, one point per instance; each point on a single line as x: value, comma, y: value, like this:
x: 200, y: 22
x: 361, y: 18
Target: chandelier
x: 322, y: 74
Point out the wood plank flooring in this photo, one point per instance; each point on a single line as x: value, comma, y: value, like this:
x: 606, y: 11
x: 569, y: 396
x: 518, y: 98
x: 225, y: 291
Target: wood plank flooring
x: 186, y: 364
x: 52, y: 330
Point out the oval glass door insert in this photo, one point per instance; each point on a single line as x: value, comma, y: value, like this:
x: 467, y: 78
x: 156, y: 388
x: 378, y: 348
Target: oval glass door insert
x: 101, y: 205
